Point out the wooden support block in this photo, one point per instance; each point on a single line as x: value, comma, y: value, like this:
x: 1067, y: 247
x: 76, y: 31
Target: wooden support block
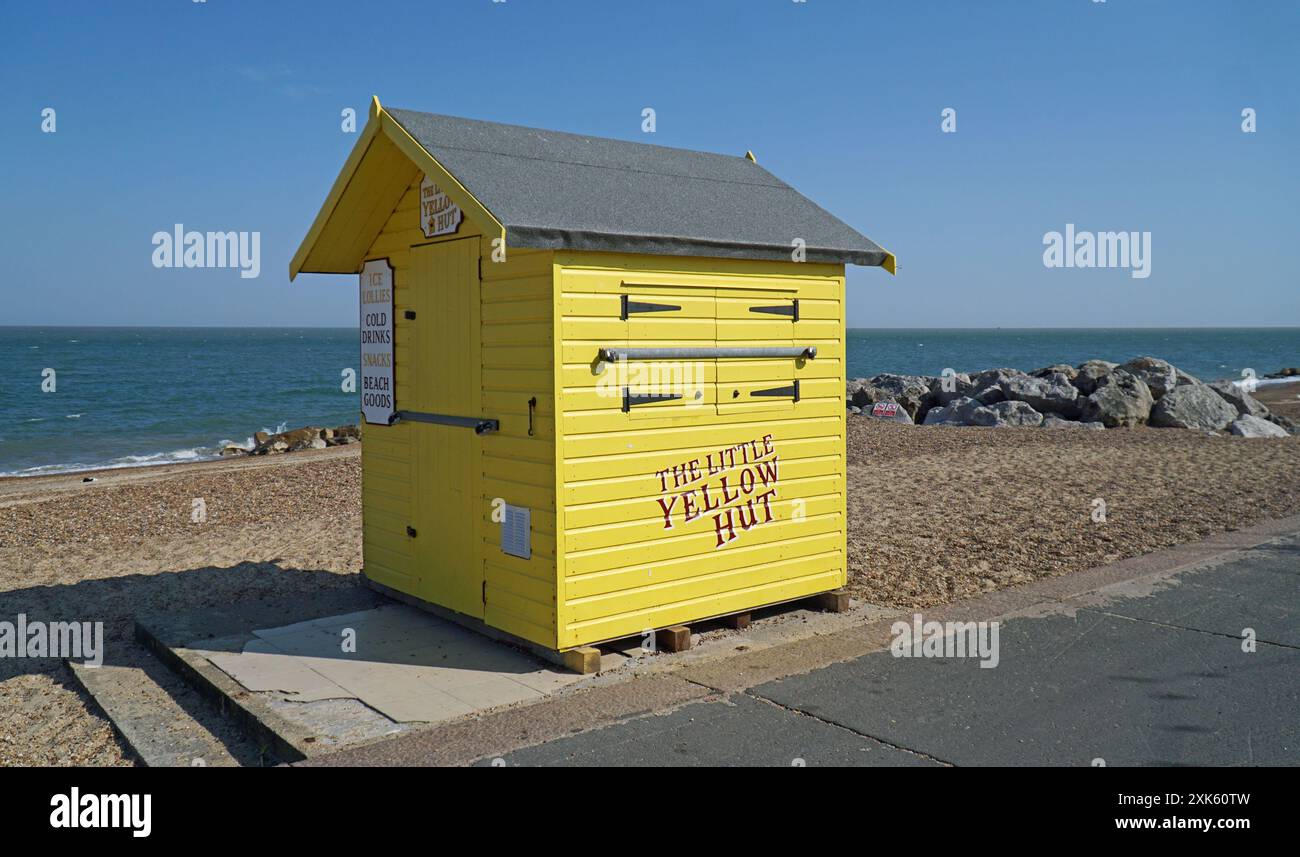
x: 676, y: 638
x: 835, y: 601
x: 583, y: 660
x: 736, y: 621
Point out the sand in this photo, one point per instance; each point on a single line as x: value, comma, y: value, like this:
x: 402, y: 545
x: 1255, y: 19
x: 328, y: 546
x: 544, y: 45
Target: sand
x: 938, y: 512
x: 126, y: 545
x: 935, y: 513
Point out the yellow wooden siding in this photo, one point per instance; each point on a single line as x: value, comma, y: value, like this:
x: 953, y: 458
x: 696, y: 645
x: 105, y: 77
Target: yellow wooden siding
x: 387, y: 452
x: 625, y: 566
x: 515, y: 305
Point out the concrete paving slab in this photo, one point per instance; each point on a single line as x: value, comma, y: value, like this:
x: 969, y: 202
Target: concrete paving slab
x: 408, y: 666
x: 738, y: 730
x: 1223, y: 600
x: 261, y: 672
x: 416, y: 703
x: 1068, y: 691
x: 810, y: 646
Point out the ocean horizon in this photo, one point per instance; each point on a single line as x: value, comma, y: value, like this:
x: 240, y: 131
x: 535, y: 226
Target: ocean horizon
x: 134, y: 396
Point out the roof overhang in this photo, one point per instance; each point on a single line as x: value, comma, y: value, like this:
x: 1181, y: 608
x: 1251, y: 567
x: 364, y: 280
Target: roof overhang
x: 382, y: 165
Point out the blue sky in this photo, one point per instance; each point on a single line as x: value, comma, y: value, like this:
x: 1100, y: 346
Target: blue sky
x: 1122, y: 115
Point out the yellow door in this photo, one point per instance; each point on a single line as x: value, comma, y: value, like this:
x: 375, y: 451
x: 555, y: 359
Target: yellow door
x: 757, y: 319
x: 445, y: 379
x: 673, y: 388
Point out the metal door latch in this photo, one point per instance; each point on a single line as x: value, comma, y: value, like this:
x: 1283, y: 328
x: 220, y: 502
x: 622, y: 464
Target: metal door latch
x: 479, y: 424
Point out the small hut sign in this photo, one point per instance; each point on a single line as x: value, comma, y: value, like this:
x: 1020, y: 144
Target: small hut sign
x: 377, y: 393
x: 438, y: 214
x: 734, y: 486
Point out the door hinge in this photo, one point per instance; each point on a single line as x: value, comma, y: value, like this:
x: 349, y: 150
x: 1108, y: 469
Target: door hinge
x: 778, y: 392
x: 630, y: 399
x: 626, y: 306
x: 791, y: 309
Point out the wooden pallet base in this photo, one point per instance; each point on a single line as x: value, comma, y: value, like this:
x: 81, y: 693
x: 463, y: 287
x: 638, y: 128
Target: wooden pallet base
x: 835, y: 601
x: 585, y: 660
x: 676, y: 638
x: 736, y: 621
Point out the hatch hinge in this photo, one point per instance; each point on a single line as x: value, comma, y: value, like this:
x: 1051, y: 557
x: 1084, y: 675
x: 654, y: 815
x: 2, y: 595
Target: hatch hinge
x: 779, y: 392
x: 630, y: 399
x: 791, y: 309
x: 626, y: 306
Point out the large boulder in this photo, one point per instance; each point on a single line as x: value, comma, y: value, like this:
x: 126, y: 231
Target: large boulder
x: 1005, y: 414
x: 1290, y: 425
x: 1194, y: 406
x: 986, y: 386
x: 1235, y: 395
x: 862, y: 393
x: 1248, y: 426
x: 1089, y: 373
x: 1120, y: 399
x: 1063, y: 368
x: 910, y: 391
x: 1052, y: 394
x: 945, y: 389
x: 308, y: 437
x: 955, y: 413
x: 1160, y: 376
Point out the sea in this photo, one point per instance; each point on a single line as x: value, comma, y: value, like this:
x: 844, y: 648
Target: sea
x: 84, y: 398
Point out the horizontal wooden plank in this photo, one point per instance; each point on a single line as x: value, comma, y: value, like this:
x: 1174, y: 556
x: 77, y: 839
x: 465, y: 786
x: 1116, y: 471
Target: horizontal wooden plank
x: 634, y: 522
x: 646, y: 507
x: 627, y: 624
x: 715, y: 433
x: 697, y: 544
x: 646, y: 482
x: 596, y: 425
x: 655, y: 592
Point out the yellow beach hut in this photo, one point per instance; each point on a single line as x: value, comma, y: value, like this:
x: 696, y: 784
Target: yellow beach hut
x: 602, y: 382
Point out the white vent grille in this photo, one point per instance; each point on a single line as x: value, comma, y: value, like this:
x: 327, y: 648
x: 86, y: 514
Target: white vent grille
x: 517, y: 532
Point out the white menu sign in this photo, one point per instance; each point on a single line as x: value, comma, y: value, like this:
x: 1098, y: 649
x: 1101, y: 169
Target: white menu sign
x: 438, y: 214
x: 377, y: 392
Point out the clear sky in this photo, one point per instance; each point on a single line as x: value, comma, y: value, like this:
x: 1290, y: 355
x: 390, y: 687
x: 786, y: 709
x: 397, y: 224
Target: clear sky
x: 1118, y: 115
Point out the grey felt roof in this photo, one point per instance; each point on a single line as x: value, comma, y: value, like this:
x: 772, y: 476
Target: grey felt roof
x: 555, y: 190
